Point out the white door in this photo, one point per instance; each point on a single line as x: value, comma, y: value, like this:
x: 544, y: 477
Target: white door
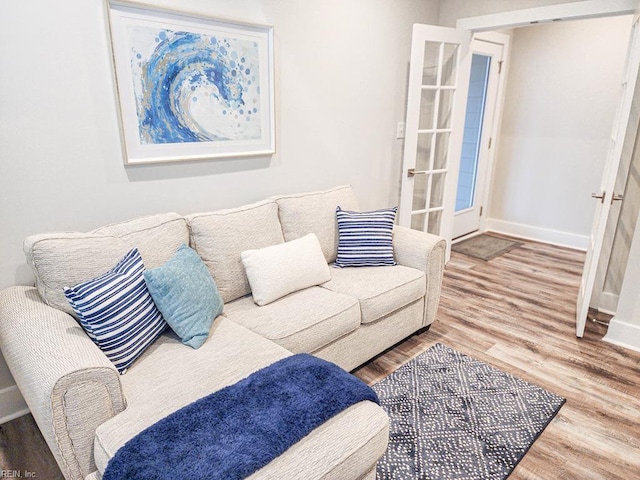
x: 607, y: 196
x: 436, y: 99
x: 486, y: 65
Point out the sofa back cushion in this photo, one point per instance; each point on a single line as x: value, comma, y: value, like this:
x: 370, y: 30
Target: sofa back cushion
x: 61, y: 260
x: 219, y: 238
x: 315, y: 212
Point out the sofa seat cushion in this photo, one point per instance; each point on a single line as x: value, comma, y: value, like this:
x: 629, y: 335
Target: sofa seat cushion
x: 302, y: 321
x: 170, y: 375
x: 380, y: 290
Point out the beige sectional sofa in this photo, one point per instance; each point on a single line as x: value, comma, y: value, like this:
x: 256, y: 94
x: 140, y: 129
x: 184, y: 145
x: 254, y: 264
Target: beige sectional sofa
x: 86, y: 410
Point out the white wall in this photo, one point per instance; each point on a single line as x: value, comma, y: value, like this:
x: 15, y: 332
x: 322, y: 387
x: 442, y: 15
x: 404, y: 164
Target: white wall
x: 341, y: 73
x: 562, y: 91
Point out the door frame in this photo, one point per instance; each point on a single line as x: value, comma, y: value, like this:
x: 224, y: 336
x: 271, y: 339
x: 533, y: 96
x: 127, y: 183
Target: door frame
x: 494, y: 133
x: 554, y: 13
x: 485, y: 26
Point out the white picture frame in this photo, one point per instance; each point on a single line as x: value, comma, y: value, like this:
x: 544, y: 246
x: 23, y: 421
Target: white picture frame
x: 190, y: 86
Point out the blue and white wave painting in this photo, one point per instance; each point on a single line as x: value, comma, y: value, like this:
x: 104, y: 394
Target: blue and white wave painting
x: 192, y: 87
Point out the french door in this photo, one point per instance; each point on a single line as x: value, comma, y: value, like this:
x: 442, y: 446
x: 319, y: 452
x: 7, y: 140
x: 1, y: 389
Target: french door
x: 607, y: 196
x: 436, y: 100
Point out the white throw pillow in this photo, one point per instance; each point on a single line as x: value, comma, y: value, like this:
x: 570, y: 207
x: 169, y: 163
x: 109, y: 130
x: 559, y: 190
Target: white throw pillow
x: 279, y: 270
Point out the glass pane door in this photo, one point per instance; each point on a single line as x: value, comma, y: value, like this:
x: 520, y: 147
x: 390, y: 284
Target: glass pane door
x: 436, y: 104
x: 476, y: 100
x: 435, y: 120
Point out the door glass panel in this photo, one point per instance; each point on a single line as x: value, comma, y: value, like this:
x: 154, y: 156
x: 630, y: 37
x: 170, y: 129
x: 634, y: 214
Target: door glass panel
x: 427, y: 108
x: 441, y: 150
x: 445, y: 108
x: 420, y: 192
x: 439, y: 67
x: 430, y: 65
x: 437, y: 190
x: 449, y: 63
x: 423, y: 154
x: 417, y: 221
x: 434, y: 222
x: 476, y: 98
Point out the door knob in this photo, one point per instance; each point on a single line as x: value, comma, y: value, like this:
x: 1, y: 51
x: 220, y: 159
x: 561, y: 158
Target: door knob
x: 412, y: 172
x: 614, y: 198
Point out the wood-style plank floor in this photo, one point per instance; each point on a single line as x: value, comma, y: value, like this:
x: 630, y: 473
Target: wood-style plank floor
x: 515, y: 312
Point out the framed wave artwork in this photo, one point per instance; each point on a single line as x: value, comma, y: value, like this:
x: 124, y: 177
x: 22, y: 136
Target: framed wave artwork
x: 190, y: 86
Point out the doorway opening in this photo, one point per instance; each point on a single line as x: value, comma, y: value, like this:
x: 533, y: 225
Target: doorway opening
x: 545, y: 176
x: 622, y: 129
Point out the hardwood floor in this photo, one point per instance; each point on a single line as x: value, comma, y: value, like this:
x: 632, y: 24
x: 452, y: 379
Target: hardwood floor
x: 515, y: 312
x: 23, y: 450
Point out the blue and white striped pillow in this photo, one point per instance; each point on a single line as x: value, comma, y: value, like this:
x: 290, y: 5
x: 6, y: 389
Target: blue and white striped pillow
x: 117, y: 311
x: 365, y: 238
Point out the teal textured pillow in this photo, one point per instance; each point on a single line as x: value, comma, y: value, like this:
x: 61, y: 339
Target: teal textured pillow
x: 186, y: 295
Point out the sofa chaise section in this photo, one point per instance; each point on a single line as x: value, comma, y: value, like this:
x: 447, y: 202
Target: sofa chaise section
x: 230, y: 354
x: 168, y: 376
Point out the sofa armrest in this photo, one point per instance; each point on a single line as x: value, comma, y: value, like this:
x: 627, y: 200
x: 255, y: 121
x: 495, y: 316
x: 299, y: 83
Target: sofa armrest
x: 425, y: 252
x: 68, y: 383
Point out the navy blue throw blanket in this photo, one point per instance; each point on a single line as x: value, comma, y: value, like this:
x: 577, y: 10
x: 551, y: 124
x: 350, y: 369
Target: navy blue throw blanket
x: 235, y: 431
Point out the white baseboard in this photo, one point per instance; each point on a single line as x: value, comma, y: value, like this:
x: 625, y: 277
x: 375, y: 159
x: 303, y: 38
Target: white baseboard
x: 538, y: 234
x: 623, y: 334
x: 12, y: 405
x: 607, y: 303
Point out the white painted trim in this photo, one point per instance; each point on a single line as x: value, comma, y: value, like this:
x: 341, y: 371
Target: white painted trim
x: 623, y: 334
x: 538, y: 234
x: 12, y: 405
x: 607, y: 303
x: 551, y: 13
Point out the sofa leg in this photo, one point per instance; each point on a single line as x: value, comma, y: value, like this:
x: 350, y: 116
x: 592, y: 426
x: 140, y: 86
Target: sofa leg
x: 422, y: 330
x: 417, y: 332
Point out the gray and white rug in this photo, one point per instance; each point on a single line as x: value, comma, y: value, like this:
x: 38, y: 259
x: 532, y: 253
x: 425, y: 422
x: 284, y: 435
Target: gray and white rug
x: 454, y: 417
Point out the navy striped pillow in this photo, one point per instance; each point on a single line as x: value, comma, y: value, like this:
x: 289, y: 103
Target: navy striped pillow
x: 117, y: 311
x: 365, y: 238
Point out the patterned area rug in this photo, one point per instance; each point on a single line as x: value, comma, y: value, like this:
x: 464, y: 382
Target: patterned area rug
x: 485, y: 247
x: 454, y: 417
